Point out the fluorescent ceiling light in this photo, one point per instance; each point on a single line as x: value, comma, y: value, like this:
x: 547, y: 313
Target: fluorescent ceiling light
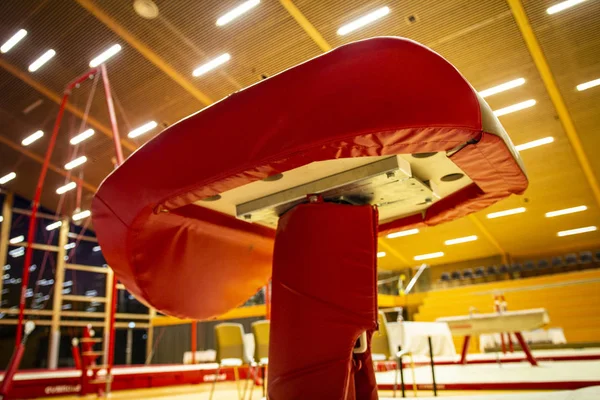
x: 236, y: 12
x: 44, y: 58
x: 17, y: 239
x: 535, y: 143
x: 66, y: 188
x: 464, y: 239
x: 112, y: 50
x: 381, y: 254
x: 17, y: 252
x: 16, y: 38
x: 362, y: 21
x: 1, y: 218
x: 577, y: 231
x: 429, y: 256
x: 563, y: 6
x: 54, y: 225
x: 76, y: 162
x: 70, y: 246
x: 403, y: 233
x: 148, y: 126
x: 81, y: 215
x: 502, y: 87
x: 583, y: 86
x: 7, y: 178
x: 504, y: 213
x: 96, y: 249
x: 212, y: 64
x: 515, y: 107
x: 32, y: 138
x: 565, y: 211
x: 82, y: 136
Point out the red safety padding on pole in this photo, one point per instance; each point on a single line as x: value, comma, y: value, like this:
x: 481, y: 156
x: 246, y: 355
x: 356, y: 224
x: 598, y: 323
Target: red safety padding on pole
x: 324, y: 297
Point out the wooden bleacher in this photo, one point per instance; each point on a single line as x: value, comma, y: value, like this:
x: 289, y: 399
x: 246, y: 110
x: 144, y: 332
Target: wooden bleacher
x: 571, y: 299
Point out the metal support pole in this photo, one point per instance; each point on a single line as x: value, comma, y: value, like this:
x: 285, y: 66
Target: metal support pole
x: 107, y: 315
x: 59, y: 278
x: 36, y: 201
x: 432, y: 363
x: 194, y: 337
x: 150, y: 335
x: 129, y: 346
x: 5, y: 235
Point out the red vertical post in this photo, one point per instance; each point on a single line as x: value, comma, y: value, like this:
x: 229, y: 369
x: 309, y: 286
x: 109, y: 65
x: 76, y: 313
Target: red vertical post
x: 194, y: 340
x: 268, y: 300
x: 465, y: 349
x: 120, y: 159
x: 526, y: 349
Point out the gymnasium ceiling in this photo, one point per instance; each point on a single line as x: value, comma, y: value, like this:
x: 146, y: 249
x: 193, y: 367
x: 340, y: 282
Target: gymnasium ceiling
x: 152, y: 80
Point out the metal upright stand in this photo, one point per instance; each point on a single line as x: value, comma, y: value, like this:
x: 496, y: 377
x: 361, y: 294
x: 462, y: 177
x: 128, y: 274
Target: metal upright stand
x: 432, y: 365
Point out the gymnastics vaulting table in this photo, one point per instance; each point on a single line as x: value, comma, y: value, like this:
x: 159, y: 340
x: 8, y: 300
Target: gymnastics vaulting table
x: 294, y: 178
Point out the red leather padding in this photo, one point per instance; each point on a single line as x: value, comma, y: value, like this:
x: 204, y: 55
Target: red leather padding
x: 376, y: 97
x: 324, y: 296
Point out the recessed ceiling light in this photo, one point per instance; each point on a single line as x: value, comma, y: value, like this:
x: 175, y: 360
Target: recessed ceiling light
x: 32, y: 138
x: 565, y: 211
x: 212, y: 64
x: 502, y: 87
x: 16, y: 38
x: 18, y: 252
x: 44, y: 58
x: 587, y: 85
x: 421, y: 257
x: 148, y: 126
x: 236, y: 12
x: 464, y: 239
x: 54, y: 225
x: 82, y: 136
x: 362, y: 21
x: 563, y: 6
x: 112, y: 50
x: 1, y: 218
x: 70, y: 246
x: 16, y: 239
x: 66, y: 188
x: 403, y: 233
x: 504, y: 213
x: 7, y: 178
x: 96, y: 249
x: 381, y: 254
x: 577, y: 231
x: 535, y: 143
x: 81, y: 215
x: 515, y: 107
x: 76, y: 162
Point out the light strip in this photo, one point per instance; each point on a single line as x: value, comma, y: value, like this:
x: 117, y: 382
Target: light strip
x: 76, y: 162
x: 515, y: 107
x: 16, y: 38
x: 70, y: 246
x: 236, y: 12
x: 7, y: 178
x: 44, y: 58
x: 587, y: 85
x: 403, y: 233
x: 54, y: 225
x: 212, y: 64
x: 429, y: 256
x: 459, y: 240
x: 18, y: 252
x: 32, y: 138
x: 563, y: 6
x: 565, y: 211
x: 148, y: 126
x: 502, y: 87
x: 81, y: 215
x: 362, y: 21
x: 96, y: 249
x: 381, y: 254
x: 504, y: 213
x: 112, y: 50
x: 88, y: 133
x: 17, y: 239
x: 66, y: 188
x: 577, y: 231
x: 535, y: 143
x: 1, y: 218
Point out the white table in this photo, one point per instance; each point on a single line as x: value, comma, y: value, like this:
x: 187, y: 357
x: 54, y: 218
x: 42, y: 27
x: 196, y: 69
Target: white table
x: 412, y: 336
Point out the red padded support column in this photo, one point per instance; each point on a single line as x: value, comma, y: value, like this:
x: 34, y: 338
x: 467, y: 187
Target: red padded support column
x: 324, y: 295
